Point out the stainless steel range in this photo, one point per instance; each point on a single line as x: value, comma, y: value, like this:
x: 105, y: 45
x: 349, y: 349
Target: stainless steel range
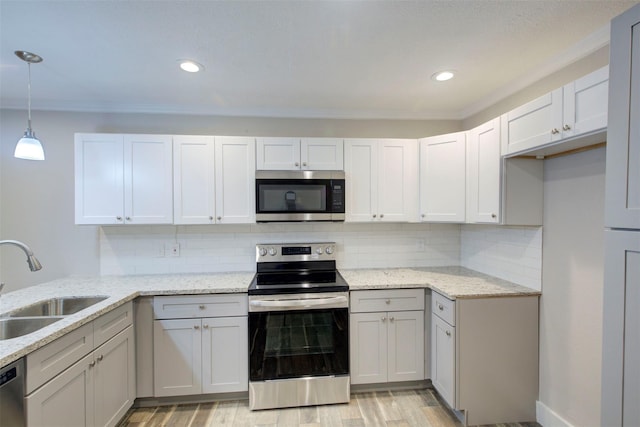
x: 298, y: 327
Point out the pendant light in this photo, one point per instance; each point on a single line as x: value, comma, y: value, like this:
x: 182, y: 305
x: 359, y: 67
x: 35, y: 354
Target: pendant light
x: 29, y: 147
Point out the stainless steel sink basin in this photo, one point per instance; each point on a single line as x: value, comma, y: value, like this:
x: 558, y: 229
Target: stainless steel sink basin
x: 63, y: 306
x: 14, y: 327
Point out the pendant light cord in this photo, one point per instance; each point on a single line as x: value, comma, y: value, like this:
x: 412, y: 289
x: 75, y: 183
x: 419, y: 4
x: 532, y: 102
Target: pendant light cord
x: 29, y: 97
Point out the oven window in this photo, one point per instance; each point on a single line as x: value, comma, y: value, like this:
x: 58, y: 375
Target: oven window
x: 292, y: 198
x: 290, y: 344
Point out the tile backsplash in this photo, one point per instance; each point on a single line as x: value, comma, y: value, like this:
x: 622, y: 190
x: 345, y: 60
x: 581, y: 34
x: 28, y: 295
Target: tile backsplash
x: 510, y: 253
x: 500, y: 251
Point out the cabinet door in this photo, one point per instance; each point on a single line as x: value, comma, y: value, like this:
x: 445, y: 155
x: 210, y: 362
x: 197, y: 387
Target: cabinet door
x: 361, y: 171
x: 148, y: 179
x: 193, y: 180
x: 533, y: 124
x: 177, y: 364
x: 621, y: 330
x: 278, y: 154
x: 623, y: 132
x: 99, y: 179
x: 67, y: 400
x: 406, y: 346
x: 398, y: 180
x: 483, y: 173
x: 225, y: 354
x: 235, y: 180
x: 585, y: 104
x: 322, y: 154
x: 442, y: 178
x: 114, y: 378
x: 443, y: 359
x: 368, y: 336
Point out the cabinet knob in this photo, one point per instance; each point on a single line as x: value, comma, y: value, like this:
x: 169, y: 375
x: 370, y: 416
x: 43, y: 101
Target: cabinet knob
x: 201, y: 307
x: 566, y: 127
x: 297, y: 164
x: 440, y: 307
x: 304, y: 163
x: 387, y: 301
x: 119, y: 218
x: 100, y: 358
x: 555, y: 131
x: 384, y: 319
x: 210, y: 218
x: 448, y: 333
x: 219, y: 218
x: 128, y: 218
x: 494, y: 216
x: 381, y: 215
x: 391, y: 319
x: 422, y: 215
x: 205, y: 326
x: 92, y: 363
x: 196, y: 327
x: 374, y: 215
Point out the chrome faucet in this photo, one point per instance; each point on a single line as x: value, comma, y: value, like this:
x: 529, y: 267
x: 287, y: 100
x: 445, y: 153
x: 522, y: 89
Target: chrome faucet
x: 34, y: 264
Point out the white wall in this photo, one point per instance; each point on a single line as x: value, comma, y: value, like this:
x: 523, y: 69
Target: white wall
x: 572, y: 283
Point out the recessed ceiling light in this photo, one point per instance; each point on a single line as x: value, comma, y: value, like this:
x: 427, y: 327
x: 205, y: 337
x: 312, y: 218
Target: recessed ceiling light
x: 442, y: 76
x: 190, y: 66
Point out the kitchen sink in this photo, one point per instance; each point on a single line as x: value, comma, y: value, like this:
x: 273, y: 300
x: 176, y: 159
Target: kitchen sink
x: 62, y: 306
x: 14, y: 327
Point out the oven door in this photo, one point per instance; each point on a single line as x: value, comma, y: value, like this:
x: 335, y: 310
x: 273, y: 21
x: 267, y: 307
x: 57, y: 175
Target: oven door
x: 297, y: 336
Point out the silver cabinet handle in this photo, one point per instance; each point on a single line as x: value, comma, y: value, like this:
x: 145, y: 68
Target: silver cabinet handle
x: 555, y: 131
x: 196, y: 327
x: 566, y: 127
x: 201, y: 307
x: 440, y: 307
x: 448, y: 333
x: 100, y: 358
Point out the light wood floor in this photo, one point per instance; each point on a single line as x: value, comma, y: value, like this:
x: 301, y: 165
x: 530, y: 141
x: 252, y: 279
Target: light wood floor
x: 406, y: 408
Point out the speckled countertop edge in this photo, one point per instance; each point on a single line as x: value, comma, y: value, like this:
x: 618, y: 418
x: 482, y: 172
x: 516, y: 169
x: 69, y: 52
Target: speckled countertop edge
x: 452, y: 282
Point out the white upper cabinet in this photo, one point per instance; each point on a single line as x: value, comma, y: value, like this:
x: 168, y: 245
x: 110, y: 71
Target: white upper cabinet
x: 299, y: 154
x: 381, y: 179
x: 623, y: 135
x: 579, y: 109
x: 123, y: 179
x: 442, y: 178
x: 235, y: 180
x: 194, y: 179
x: 483, y: 173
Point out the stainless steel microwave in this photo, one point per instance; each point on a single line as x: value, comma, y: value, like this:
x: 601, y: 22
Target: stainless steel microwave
x: 300, y: 196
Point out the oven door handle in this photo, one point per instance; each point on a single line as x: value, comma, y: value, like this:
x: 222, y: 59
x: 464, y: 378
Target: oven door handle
x: 299, y: 304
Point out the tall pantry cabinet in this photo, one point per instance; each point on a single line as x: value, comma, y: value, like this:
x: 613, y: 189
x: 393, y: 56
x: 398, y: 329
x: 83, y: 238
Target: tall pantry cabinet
x: 621, y: 323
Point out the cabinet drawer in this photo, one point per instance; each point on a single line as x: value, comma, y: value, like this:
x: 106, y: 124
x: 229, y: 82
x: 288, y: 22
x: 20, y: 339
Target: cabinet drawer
x: 387, y: 300
x: 444, y: 308
x: 188, y: 306
x: 48, y: 361
x: 108, y: 325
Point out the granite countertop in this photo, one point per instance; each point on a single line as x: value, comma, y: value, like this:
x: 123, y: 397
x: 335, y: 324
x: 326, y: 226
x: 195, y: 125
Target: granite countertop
x: 118, y: 289
x: 453, y: 282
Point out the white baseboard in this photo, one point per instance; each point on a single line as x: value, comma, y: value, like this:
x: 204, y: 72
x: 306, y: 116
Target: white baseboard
x: 546, y: 417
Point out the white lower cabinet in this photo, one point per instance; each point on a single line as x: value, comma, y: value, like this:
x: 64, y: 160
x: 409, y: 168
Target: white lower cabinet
x: 484, y: 357
x: 387, y: 346
x: 99, y: 388
x: 198, y: 355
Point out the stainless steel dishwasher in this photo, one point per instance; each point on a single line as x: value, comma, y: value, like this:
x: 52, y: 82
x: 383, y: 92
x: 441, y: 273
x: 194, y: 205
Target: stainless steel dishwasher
x: 12, y: 379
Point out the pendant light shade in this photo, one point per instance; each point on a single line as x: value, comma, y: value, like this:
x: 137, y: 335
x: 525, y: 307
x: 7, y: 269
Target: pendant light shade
x: 29, y: 147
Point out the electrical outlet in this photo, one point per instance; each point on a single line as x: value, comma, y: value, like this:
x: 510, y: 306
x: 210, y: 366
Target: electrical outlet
x: 175, y: 249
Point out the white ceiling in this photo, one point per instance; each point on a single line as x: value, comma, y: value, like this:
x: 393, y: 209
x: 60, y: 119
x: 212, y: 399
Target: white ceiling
x: 339, y: 59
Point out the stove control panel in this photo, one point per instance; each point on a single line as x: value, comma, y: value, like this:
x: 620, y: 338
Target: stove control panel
x: 321, y: 251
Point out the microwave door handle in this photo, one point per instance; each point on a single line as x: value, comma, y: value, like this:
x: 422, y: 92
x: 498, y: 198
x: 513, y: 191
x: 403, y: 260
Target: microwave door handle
x: 300, y: 303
